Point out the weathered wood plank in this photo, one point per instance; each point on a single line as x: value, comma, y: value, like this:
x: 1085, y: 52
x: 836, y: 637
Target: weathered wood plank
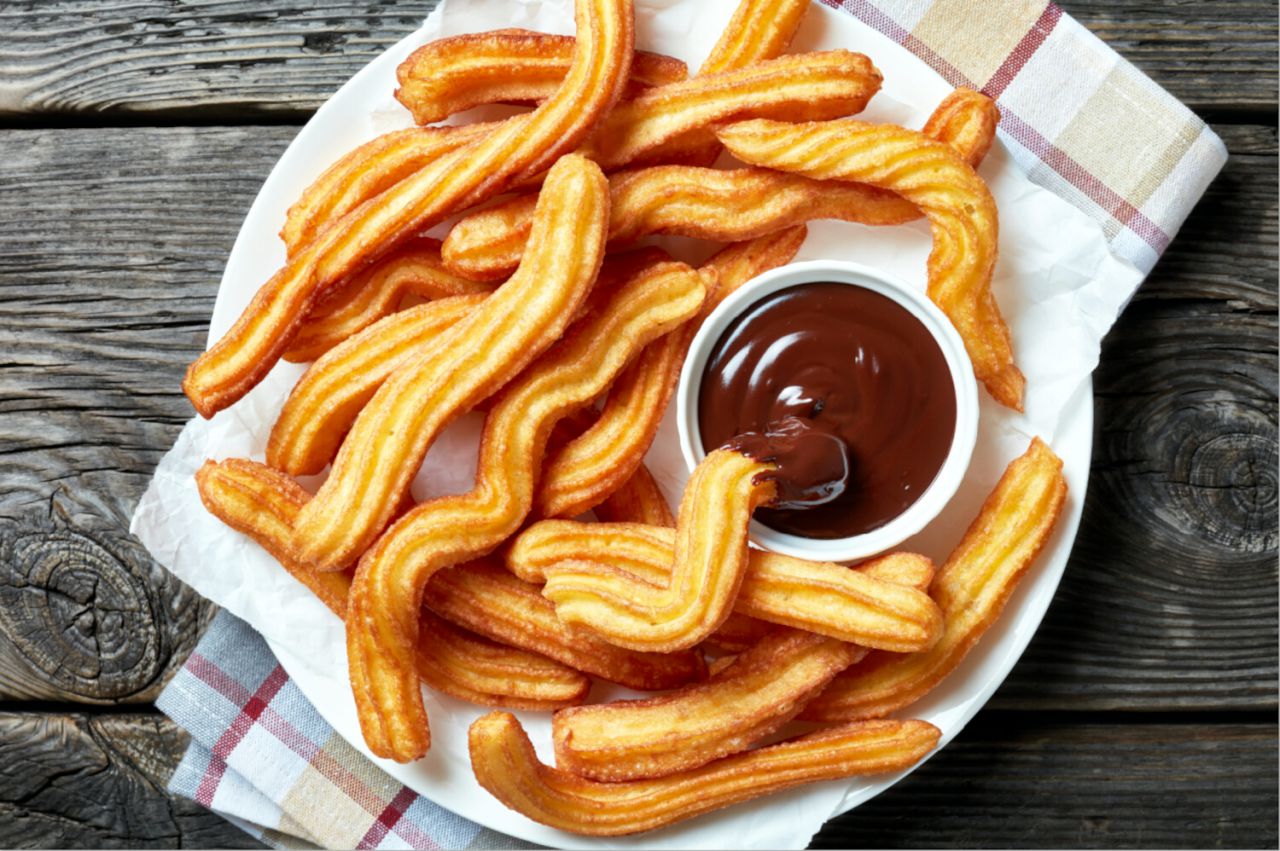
x: 110, y: 252
x: 237, y: 58
x: 1005, y: 785
x: 78, y: 781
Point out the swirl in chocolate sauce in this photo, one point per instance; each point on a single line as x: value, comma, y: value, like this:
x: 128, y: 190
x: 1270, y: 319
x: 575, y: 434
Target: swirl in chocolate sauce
x: 845, y: 362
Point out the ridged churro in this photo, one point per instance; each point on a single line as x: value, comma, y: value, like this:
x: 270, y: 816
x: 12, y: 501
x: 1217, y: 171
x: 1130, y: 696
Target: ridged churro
x: 710, y: 558
x: 445, y: 531
x: 415, y: 269
x: 524, y: 145
x: 505, y: 764
x: 855, y: 605
x: 504, y: 66
x: 752, y: 697
x: 487, y: 600
x: 393, y: 432
x: 581, y: 474
x: 935, y: 178
x: 971, y: 588
x: 720, y: 205
x: 759, y: 29
x: 262, y: 504
x: 333, y: 391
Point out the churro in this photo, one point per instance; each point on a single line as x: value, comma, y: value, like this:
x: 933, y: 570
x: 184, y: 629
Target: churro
x: 415, y: 270
x: 720, y: 205
x: 504, y: 763
x: 935, y: 178
x: 333, y: 391
x: 487, y: 600
x: 638, y: 500
x: 526, y: 144
x: 971, y: 588
x: 504, y: 66
x: 759, y: 29
x: 752, y: 697
x: 586, y: 470
x: 441, y: 532
x: 393, y: 432
x: 262, y: 504
x: 710, y: 557
x: 858, y: 606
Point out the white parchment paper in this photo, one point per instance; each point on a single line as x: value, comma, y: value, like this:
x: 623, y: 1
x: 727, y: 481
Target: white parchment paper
x: 1057, y: 284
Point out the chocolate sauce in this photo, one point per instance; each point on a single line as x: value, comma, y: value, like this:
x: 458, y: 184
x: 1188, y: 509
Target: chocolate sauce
x: 817, y: 365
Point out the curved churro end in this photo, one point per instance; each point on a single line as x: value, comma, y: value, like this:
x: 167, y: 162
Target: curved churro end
x: 930, y: 174
x: 504, y: 763
x: 707, y: 568
x: 910, y: 569
x: 487, y: 600
x: 749, y: 699
x: 971, y: 589
x: 503, y: 66
x: 966, y: 120
x: 759, y: 29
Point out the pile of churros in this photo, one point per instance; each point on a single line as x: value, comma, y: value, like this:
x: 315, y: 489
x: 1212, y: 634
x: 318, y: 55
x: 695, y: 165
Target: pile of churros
x: 539, y: 309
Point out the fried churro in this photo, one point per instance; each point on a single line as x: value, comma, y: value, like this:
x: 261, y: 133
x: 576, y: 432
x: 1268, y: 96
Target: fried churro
x: 487, y: 600
x: 524, y: 145
x: 858, y: 606
x: 720, y: 205
x: 504, y: 66
x: 263, y: 503
x: 935, y: 178
x: 752, y: 697
x: 333, y: 391
x: 413, y: 270
x: 710, y: 557
x: 971, y: 588
x: 504, y: 763
x: 441, y: 532
x: 639, y: 500
x: 759, y: 29
x: 586, y: 470
x: 393, y: 432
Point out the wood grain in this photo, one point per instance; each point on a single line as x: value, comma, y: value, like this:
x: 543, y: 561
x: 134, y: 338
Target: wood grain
x: 234, y: 59
x: 80, y: 781
x: 1009, y: 783
x: 1168, y: 602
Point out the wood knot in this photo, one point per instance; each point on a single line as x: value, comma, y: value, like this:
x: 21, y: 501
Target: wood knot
x: 1232, y: 477
x: 77, y: 613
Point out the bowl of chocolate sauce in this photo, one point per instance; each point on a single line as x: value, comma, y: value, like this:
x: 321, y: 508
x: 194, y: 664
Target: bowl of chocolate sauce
x: 853, y: 386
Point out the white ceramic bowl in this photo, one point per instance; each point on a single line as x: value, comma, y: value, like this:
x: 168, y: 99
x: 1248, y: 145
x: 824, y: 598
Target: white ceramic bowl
x: 944, y: 485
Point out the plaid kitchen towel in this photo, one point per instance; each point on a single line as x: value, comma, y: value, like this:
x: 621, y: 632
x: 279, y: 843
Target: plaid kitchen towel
x: 261, y: 756
x: 1081, y: 121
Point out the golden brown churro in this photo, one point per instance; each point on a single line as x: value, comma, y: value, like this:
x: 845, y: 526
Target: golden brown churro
x: 415, y: 269
x: 504, y: 763
x: 486, y: 599
x: 971, y: 588
x: 719, y: 205
x: 441, y: 532
x: 759, y: 29
x: 504, y: 66
x: 479, y: 354
x: 638, y: 500
x: 752, y: 697
x: 578, y: 476
x: 524, y: 145
x: 262, y: 504
x: 931, y: 175
x: 710, y: 557
x: 830, y: 599
x: 332, y: 392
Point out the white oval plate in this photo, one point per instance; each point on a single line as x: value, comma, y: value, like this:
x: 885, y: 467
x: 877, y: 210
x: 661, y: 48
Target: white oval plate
x: 1059, y: 410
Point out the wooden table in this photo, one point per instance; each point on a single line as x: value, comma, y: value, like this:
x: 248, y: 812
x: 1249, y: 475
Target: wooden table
x: 133, y: 138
